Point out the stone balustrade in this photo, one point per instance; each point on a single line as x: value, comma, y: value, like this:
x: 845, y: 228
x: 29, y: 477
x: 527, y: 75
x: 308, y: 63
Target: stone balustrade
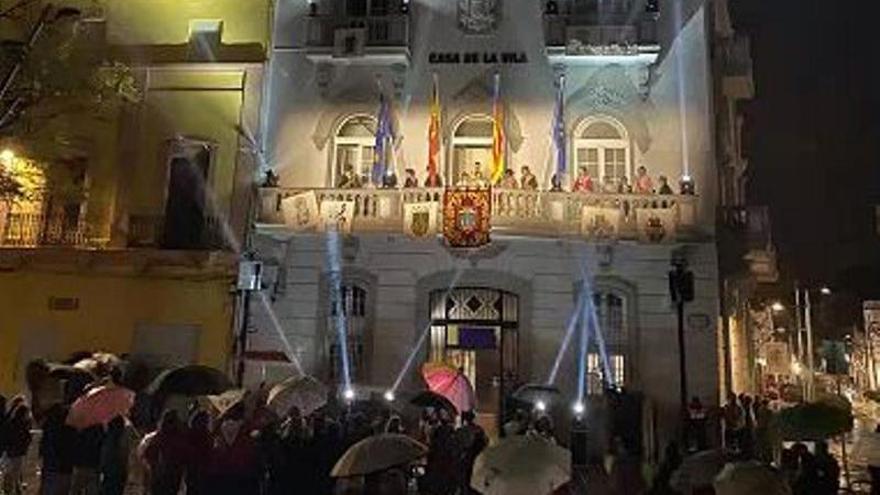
x: 514, y: 211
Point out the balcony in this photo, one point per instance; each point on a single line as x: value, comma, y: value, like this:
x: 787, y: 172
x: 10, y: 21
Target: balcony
x: 514, y: 212
x: 30, y: 230
x: 745, y: 242
x: 149, y: 231
x: 572, y: 36
x: 375, y: 39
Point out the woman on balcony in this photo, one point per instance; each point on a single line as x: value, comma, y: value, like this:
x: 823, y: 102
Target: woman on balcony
x: 643, y: 183
x: 583, y: 183
x: 409, y: 180
x: 349, y: 179
x: 509, y: 180
x: 528, y: 180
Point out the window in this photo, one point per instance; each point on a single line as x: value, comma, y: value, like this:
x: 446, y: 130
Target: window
x: 611, y: 318
x: 602, y: 147
x: 354, y: 147
x: 471, y: 148
x: 355, y: 318
x: 596, y: 379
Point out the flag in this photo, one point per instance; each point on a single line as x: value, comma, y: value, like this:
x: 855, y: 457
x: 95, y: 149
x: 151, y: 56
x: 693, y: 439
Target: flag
x: 434, y: 133
x: 383, y: 134
x: 301, y: 211
x: 559, y: 130
x: 498, y: 164
x: 337, y: 215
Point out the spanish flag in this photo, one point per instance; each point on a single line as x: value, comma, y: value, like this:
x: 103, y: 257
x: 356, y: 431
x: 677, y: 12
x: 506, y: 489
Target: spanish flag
x: 434, y: 133
x: 498, y: 163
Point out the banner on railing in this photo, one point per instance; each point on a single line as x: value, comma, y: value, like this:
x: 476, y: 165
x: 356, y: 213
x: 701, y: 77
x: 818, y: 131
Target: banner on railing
x: 656, y: 224
x: 600, y: 223
x: 420, y: 219
x: 301, y: 212
x: 337, y: 215
x: 466, y: 214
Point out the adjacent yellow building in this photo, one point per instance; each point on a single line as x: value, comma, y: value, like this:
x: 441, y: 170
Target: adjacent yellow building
x: 134, y: 251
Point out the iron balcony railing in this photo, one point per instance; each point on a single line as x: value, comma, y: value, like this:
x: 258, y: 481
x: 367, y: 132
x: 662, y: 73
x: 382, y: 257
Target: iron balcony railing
x: 582, y: 31
x: 379, y: 31
x: 37, y: 229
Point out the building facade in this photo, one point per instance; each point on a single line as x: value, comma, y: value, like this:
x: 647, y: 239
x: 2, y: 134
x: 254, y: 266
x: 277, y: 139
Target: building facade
x: 638, y: 93
x: 140, y: 259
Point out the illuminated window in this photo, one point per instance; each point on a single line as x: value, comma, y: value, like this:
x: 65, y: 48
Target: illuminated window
x: 602, y: 147
x: 355, y: 318
x: 596, y: 379
x: 354, y: 148
x: 610, y: 308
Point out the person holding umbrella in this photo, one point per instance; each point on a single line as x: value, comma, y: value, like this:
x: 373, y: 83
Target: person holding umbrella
x: 17, y: 435
x: 57, y: 450
x: 119, y: 441
x: 164, y: 454
x: 471, y: 439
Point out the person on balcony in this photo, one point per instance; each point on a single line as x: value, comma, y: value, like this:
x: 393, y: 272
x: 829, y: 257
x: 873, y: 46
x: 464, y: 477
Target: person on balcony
x: 583, y: 183
x: 433, y: 180
x: 509, y: 180
x: 556, y: 183
x: 643, y: 184
x: 478, y: 180
x: 409, y: 179
x: 389, y: 180
x: 664, y: 186
x: 623, y: 186
x: 464, y: 179
x: 528, y: 180
x: 349, y: 179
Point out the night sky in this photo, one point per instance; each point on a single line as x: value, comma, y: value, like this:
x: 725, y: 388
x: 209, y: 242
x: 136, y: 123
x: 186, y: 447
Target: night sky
x: 813, y: 140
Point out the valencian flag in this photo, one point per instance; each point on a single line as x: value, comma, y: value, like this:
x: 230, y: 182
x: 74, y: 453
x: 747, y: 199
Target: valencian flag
x: 384, y: 133
x: 498, y: 164
x: 559, y: 130
x: 434, y: 133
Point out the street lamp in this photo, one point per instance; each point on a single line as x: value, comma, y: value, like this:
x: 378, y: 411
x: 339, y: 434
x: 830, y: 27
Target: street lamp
x: 777, y: 306
x: 6, y: 156
x: 825, y: 291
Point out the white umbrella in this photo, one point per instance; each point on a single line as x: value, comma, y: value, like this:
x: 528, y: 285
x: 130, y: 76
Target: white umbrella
x: 303, y: 392
x: 750, y: 477
x: 521, y: 465
x: 378, y: 453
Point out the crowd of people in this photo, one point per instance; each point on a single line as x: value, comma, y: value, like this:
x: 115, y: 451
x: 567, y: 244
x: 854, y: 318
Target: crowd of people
x: 582, y: 181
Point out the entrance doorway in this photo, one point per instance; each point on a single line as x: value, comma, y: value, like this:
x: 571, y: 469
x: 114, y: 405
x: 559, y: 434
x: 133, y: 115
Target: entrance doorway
x: 476, y: 330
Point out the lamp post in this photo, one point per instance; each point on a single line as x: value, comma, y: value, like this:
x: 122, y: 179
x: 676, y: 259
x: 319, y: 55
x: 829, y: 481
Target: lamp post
x: 804, y: 293
x: 681, y: 290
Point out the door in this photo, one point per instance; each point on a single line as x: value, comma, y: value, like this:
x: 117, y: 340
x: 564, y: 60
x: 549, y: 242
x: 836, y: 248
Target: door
x: 185, y: 206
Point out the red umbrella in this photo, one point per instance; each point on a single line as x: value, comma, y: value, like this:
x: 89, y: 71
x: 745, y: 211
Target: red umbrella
x: 99, y: 406
x: 450, y: 383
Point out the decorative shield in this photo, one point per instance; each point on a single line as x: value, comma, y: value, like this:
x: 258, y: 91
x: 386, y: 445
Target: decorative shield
x: 600, y: 223
x: 466, y: 215
x: 478, y: 16
x: 420, y: 219
x: 656, y: 224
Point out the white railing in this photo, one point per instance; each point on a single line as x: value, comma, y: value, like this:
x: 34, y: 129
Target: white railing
x: 514, y: 211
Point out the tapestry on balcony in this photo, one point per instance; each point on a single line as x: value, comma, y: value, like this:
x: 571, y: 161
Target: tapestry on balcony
x: 466, y: 214
x: 600, y: 223
x: 300, y: 211
x: 420, y: 219
x: 656, y: 224
x: 337, y: 215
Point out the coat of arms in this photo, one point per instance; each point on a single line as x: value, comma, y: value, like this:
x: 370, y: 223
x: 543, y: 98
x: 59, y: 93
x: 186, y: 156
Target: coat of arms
x: 419, y: 223
x: 654, y: 229
x: 420, y: 219
x: 466, y: 215
x: 478, y: 16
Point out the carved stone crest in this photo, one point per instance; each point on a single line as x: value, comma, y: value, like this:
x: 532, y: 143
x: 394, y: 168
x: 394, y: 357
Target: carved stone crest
x: 478, y: 16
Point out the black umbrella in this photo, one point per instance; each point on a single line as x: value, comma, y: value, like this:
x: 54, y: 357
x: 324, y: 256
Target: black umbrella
x: 193, y: 380
x: 431, y: 399
x: 531, y: 393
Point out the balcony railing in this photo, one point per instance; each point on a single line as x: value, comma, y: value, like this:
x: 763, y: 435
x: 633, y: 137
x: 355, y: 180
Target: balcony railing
x: 151, y: 231
x: 36, y: 230
x: 379, y: 31
x: 577, y: 34
x: 514, y: 211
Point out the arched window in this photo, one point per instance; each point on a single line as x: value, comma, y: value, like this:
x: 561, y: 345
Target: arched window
x: 354, y: 143
x: 471, y: 148
x: 611, y: 317
x: 601, y: 145
x: 356, y: 317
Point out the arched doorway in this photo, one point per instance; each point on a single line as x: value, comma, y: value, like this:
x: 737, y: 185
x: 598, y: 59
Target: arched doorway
x: 477, y: 329
x: 354, y: 147
x: 601, y: 146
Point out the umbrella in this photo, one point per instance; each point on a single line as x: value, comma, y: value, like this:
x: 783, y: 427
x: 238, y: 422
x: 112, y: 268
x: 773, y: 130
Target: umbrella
x: 698, y: 470
x: 190, y: 380
x: 303, y: 392
x: 815, y: 421
x: 378, y: 453
x: 222, y: 403
x: 99, y: 406
x: 521, y: 465
x: 531, y: 393
x: 426, y: 398
x: 450, y: 383
x: 750, y: 477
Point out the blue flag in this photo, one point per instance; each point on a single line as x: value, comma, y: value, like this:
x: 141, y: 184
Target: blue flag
x: 559, y: 130
x: 383, y: 134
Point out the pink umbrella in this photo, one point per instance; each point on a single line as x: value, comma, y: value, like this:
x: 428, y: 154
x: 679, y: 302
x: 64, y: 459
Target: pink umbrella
x: 99, y: 406
x: 450, y: 383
